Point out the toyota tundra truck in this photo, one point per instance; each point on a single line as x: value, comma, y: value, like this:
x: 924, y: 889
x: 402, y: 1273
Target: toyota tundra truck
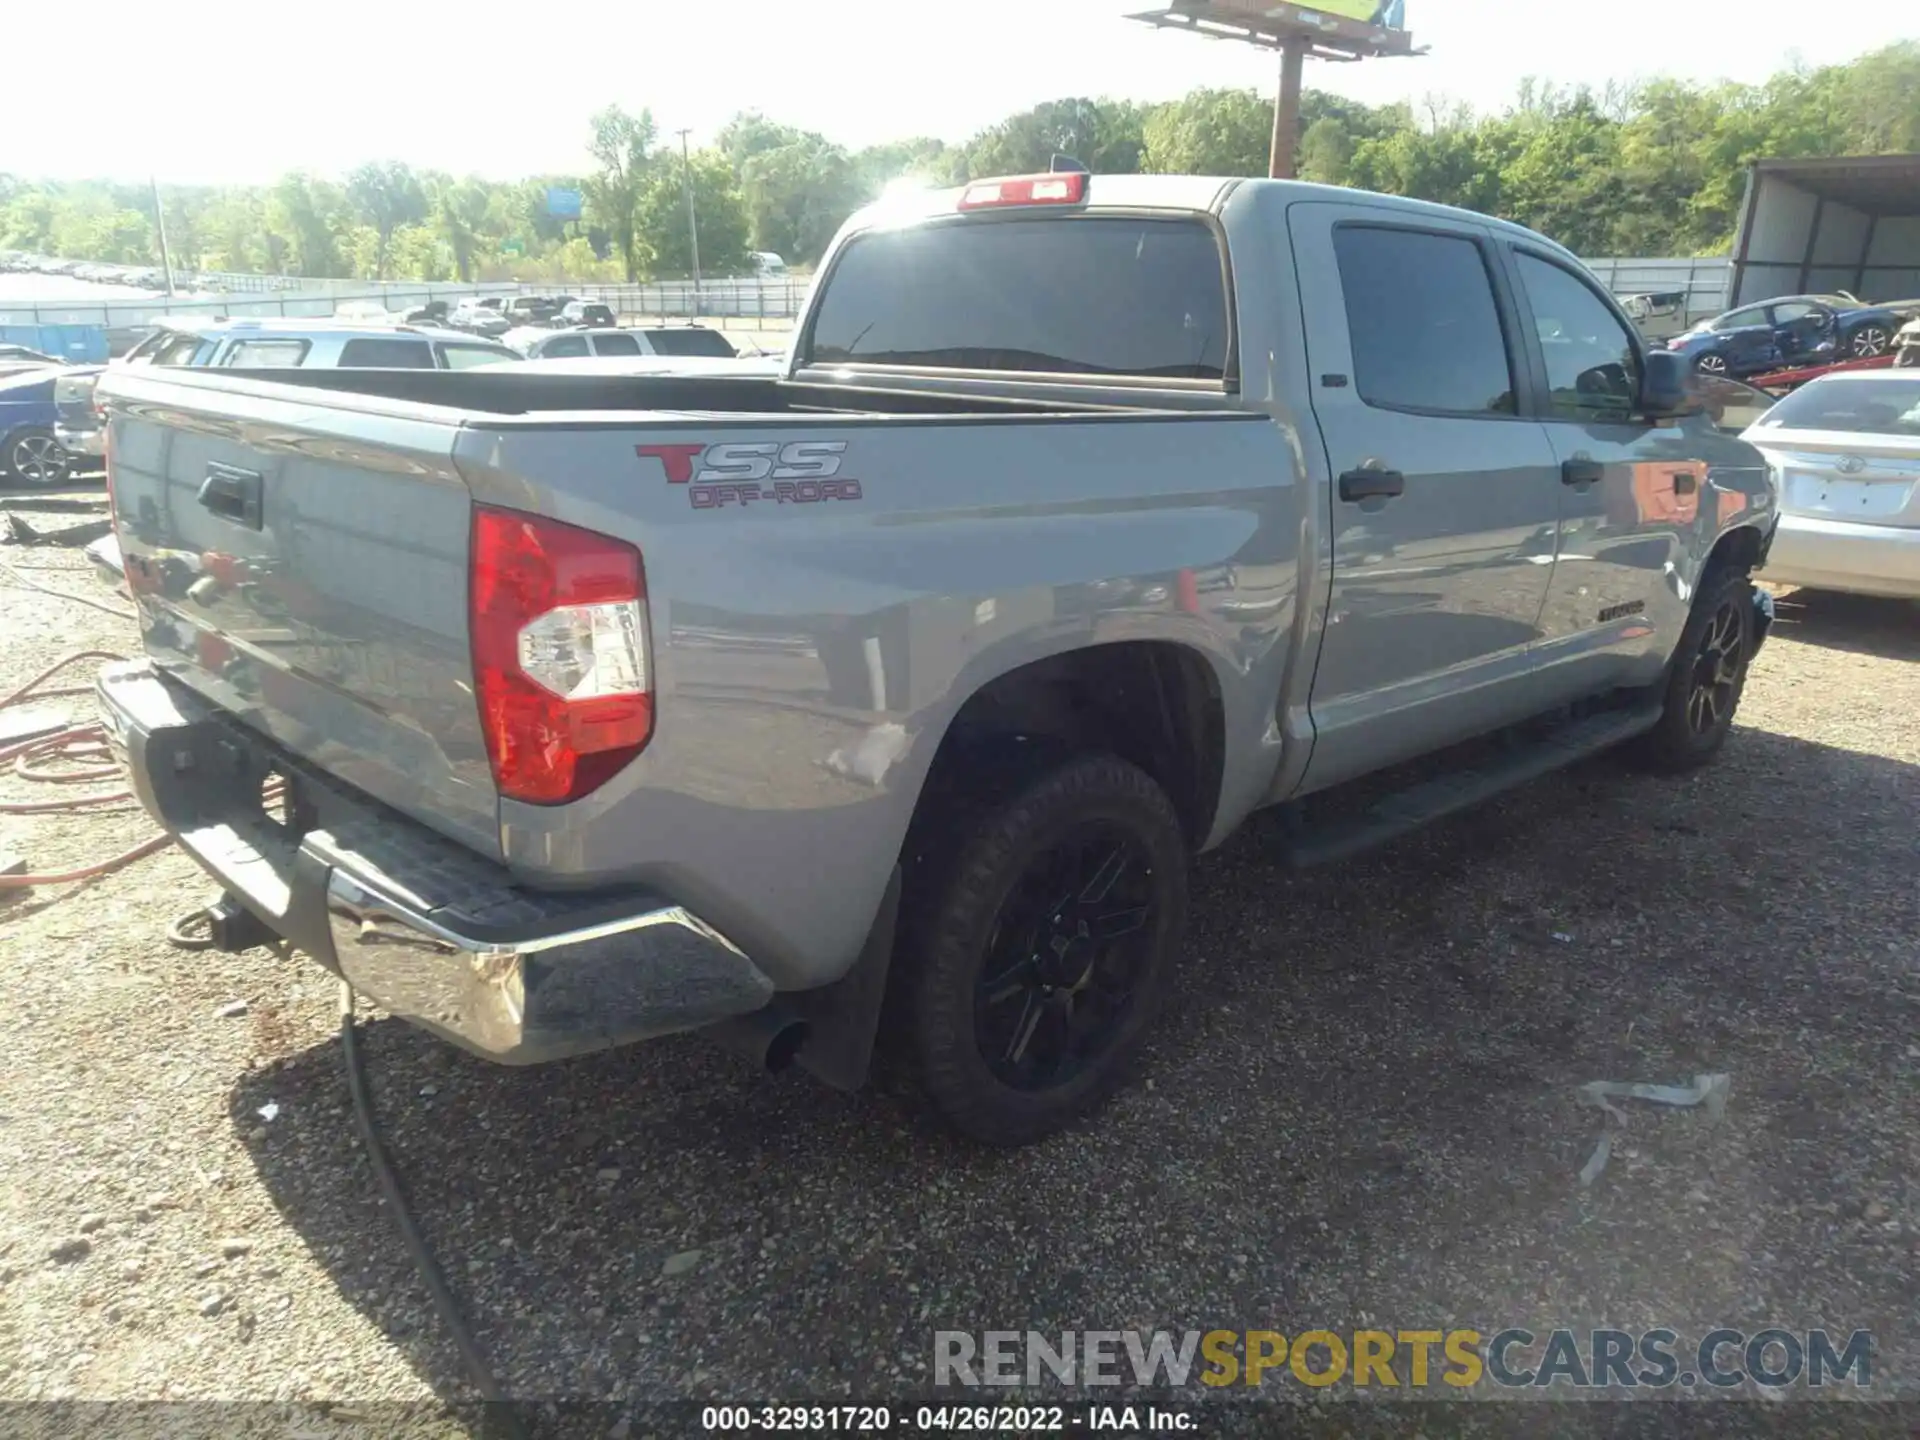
x: 882, y: 703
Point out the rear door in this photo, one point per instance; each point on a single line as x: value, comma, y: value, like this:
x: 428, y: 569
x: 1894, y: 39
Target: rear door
x: 1445, y: 498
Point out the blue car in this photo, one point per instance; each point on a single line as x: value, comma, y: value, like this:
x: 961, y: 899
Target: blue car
x: 28, y: 451
x: 1793, y: 331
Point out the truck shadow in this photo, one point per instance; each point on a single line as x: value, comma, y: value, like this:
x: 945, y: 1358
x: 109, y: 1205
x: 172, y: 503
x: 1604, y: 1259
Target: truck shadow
x: 1359, y: 1101
x: 1859, y: 624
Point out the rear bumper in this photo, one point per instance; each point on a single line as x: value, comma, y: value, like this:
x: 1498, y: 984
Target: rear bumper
x: 432, y: 932
x: 1843, y: 555
x: 81, y: 442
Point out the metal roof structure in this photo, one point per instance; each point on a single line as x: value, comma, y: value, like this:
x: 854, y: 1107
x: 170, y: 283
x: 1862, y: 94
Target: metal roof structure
x: 1881, y: 185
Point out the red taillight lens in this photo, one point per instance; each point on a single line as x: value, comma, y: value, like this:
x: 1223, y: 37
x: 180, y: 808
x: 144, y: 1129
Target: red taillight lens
x: 1065, y: 188
x: 560, y: 659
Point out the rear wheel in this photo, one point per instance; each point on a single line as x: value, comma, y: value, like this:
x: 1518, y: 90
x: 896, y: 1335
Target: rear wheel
x: 1042, y: 946
x: 1870, y: 341
x: 34, y: 457
x: 1711, y: 364
x: 1707, y: 676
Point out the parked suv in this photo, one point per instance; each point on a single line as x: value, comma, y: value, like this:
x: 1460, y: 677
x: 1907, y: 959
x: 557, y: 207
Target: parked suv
x: 578, y: 344
x: 269, y: 344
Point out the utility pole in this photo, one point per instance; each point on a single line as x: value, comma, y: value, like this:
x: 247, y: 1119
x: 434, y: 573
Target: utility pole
x: 1286, y: 111
x: 693, y: 223
x: 160, y: 225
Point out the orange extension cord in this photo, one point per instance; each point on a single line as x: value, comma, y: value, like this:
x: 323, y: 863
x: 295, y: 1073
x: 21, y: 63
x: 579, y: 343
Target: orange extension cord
x: 77, y: 751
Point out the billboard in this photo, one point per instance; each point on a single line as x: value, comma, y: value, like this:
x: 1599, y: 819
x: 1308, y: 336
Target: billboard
x: 1376, y: 14
x: 1387, y: 14
x: 563, y: 204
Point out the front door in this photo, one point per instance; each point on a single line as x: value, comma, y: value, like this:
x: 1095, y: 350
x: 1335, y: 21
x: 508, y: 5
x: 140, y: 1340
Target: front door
x: 1630, y: 491
x: 1444, y: 501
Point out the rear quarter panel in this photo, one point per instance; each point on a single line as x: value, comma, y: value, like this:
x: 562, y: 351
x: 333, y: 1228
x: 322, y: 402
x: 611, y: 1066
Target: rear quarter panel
x: 810, y: 655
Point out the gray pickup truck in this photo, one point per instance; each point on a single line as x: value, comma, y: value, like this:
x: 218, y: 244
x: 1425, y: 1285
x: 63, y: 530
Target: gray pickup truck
x: 884, y: 701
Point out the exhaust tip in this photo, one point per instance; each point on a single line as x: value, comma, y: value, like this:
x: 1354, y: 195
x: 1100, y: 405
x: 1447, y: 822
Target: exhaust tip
x: 785, y: 1045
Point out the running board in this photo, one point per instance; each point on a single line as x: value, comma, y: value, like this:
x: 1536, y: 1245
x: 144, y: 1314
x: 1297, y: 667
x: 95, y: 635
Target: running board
x: 1407, y: 810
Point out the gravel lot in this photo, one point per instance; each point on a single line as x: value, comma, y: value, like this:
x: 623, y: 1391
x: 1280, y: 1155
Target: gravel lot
x: 1359, y: 1109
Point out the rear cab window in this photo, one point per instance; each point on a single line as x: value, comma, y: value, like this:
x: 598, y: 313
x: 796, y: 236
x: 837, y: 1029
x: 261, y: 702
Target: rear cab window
x: 467, y: 357
x: 1083, y: 295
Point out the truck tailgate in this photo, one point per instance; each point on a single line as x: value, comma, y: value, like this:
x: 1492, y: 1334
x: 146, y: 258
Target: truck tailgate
x: 306, y: 569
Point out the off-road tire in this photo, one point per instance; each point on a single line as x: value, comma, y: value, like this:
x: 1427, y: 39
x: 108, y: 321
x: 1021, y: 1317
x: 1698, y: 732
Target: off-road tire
x: 966, y: 876
x: 1681, y: 741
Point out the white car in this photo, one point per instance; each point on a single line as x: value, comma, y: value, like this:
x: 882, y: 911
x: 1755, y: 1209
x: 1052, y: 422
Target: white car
x: 1846, y: 452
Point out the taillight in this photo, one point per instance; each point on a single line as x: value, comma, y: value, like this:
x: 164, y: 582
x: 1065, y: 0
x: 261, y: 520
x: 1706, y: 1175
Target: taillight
x: 560, y: 659
x: 1065, y: 188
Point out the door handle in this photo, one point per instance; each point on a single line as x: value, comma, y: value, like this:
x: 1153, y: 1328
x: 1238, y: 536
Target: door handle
x: 1582, y: 472
x: 1372, y: 484
x: 232, y: 493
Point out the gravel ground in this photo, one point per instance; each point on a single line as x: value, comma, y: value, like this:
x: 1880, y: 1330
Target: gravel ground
x: 1359, y: 1109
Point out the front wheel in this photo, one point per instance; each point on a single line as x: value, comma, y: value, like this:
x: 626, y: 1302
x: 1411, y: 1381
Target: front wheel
x: 1711, y: 364
x: 34, y: 457
x: 1707, y: 676
x: 1039, y: 961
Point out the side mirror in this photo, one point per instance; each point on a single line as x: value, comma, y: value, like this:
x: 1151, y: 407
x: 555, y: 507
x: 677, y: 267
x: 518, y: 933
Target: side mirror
x: 1666, y: 388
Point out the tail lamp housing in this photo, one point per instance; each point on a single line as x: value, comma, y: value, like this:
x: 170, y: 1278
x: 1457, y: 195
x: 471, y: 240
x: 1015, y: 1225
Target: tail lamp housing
x: 562, y: 670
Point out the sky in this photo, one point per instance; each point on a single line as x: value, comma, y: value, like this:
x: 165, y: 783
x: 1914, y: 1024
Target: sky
x: 248, y: 89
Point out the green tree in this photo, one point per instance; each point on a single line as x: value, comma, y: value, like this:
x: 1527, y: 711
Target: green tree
x: 1104, y: 135
x: 386, y: 195
x: 797, y: 195
x: 1210, y: 132
x: 461, y: 210
x: 662, y: 217
x: 622, y: 147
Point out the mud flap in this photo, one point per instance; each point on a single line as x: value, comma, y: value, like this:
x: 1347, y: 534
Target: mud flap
x: 843, y: 1018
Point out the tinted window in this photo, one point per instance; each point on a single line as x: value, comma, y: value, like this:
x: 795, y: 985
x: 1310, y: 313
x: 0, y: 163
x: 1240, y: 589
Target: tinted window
x: 386, y: 355
x: 1426, y: 333
x: 690, y: 341
x: 564, y: 347
x: 266, y: 354
x: 1864, y: 407
x: 1729, y: 404
x: 1739, y: 318
x: 1086, y: 296
x: 615, y: 345
x: 177, y: 350
x: 465, y: 357
x: 1793, y: 310
x: 1593, y: 372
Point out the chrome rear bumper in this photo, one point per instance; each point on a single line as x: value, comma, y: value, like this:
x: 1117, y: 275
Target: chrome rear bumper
x: 426, y: 928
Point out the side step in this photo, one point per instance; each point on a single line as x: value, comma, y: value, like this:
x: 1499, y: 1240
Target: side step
x: 1407, y: 810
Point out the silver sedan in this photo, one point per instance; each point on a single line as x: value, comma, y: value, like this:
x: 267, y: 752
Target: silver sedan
x: 1845, y: 450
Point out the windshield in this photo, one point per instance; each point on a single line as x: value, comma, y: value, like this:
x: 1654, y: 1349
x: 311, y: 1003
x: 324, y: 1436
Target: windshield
x: 1859, y: 406
x: 1070, y: 295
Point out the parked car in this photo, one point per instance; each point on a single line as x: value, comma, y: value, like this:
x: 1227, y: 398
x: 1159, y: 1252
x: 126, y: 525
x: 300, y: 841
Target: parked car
x: 691, y: 340
x: 1907, y: 347
x: 1091, y: 515
x: 29, y: 453
x: 1847, y: 449
x: 481, y: 315
x: 768, y: 266
x: 587, y: 314
x: 1794, y: 330
x: 268, y: 344
x: 523, y: 310
x: 15, y: 358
